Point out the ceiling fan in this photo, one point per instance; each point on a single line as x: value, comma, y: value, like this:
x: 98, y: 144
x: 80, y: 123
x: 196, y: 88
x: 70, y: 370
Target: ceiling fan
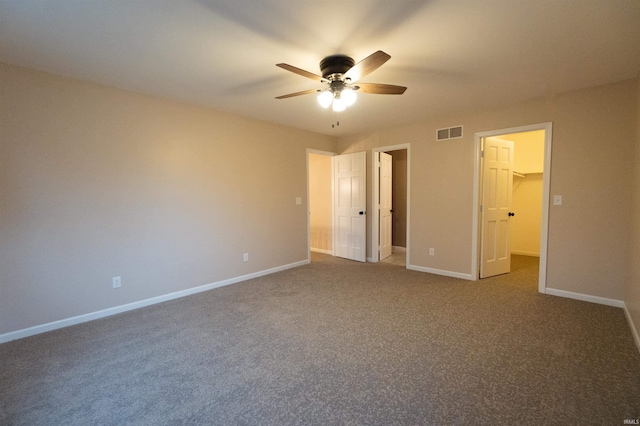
x: 340, y: 73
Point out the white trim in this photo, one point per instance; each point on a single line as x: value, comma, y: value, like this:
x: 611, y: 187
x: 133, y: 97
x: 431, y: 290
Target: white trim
x: 585, y: 297
x: 374, y: 190
x: 546, y: 183
x: 333, y: 206
x: 323, y: 251
x: 632, y: 326
x: 442, y: 272
x: 546, y: 190
x: 375, y: 206
x: 31, y: 331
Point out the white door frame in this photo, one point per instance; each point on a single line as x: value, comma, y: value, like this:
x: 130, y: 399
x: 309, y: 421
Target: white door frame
x: 375, y: 227
x: 328, y: 154
x: 546, y: 180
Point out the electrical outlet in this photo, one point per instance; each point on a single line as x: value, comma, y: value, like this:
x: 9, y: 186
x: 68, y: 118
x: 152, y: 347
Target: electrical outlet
x: 432, y: 252
x: 245, y: 257
x: 117, y: 282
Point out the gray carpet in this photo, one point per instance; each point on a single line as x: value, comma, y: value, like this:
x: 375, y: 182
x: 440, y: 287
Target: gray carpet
x: 335, y: 343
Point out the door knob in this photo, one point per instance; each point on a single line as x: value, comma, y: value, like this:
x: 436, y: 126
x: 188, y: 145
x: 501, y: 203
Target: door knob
x: 361, y: 213
x: 512, y: 214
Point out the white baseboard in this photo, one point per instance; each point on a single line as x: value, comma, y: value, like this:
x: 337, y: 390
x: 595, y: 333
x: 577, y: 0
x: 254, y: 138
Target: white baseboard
x: 441, y: 272
x: 632, y: 326
x: 31, y: 331
x: 393, y: 249
x: 317, y: 250
x: 585, y: 297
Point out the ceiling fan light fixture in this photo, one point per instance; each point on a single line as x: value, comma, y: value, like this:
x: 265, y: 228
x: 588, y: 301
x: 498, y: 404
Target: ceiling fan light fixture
x: 339, y: 75
x: 325, y: 98
x: 339, y: 104
x: 349, y: 96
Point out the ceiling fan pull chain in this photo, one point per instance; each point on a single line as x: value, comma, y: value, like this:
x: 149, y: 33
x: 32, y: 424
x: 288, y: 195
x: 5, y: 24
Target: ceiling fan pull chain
x: 335, y: 122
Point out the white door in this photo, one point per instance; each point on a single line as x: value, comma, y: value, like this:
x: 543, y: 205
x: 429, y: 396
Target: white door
x: 350, y: 232
x: 497, y: 185
x: 385, y: 218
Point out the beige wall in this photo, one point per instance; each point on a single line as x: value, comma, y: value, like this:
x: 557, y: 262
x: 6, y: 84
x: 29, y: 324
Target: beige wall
x: 320, y: 203
x: 592, y: 162
x: 97, y: 182
x: 632, y: 290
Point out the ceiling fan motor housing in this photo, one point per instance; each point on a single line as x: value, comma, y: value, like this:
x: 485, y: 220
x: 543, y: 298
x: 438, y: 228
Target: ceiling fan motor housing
x: 335, y: 64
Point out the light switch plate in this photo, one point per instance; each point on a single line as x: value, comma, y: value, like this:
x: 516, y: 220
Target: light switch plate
x: 557, y: 200
x: 298, y: 201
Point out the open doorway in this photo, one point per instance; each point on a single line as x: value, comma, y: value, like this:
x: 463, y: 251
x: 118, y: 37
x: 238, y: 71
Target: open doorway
x: 321, y: 203
x: 511, y: 198
x: 390, y: 219
x: 337, y: 209
x: 320, y: 199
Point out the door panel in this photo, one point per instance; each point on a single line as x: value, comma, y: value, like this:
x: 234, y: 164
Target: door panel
x: 350, y: 206
x: 496, y: 206
x: 385, y: 218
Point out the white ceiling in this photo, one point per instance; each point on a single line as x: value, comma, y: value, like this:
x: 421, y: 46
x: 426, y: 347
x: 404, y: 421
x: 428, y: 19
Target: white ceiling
x: 453, y: 55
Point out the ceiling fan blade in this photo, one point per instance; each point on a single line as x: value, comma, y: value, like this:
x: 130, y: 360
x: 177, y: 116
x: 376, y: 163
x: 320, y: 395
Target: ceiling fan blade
x: 301, y: 72
x: 381, y: 89
x: 367, y: 65
x: 291, y: 95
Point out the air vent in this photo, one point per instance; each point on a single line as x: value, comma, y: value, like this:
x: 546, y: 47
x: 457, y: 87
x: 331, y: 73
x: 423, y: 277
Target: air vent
x: 449, y: 133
